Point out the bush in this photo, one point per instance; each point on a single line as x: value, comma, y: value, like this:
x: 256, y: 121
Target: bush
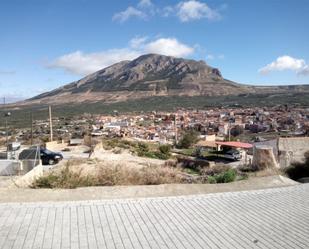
x: 156, y: 155
x: 227, y: 176
x: 211, y: 180
x: 188, y: 139
x: 109, y: 176
x: 162, y: 156
x: 218, y: 169
x: 142, y: 149
x: 197, y: 152
x: 299, y: 170
x: 220, y: 174
x: 237, y: 130
x: 163, y: 153
x: 109, y: 144
x: 170, y: 163
x: 45, y: 181
x: 66, y: 178
x: 165, y: 149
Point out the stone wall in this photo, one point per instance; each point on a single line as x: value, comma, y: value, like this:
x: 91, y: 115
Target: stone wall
x: 273, y: 143
x: 27, y: 179
x: 263, y: 157
x: 292, y: 149
x: 9, y: 167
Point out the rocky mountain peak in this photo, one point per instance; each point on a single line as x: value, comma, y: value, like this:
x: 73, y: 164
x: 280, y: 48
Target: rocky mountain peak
x: 150, y: 73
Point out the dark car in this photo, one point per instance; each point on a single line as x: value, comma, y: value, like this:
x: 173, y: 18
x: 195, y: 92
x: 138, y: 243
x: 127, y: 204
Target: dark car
x: 49, y: 158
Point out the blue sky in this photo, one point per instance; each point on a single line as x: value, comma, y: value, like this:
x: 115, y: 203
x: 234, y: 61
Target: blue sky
x: 47, y: 43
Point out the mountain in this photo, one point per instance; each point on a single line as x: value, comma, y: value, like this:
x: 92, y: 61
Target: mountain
x: 152, y: 75
x: 148, y: 75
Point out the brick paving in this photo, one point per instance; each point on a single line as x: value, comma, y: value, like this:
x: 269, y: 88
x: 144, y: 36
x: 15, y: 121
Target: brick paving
x: 272, y: 218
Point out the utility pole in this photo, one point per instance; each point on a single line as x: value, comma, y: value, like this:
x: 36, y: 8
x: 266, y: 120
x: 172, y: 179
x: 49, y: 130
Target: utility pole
x: 50, y: 123
x: 6, y: 115
x: 5, y: 127
x: 229, y: 129
x: 31, y: 118
x: 176, y: 135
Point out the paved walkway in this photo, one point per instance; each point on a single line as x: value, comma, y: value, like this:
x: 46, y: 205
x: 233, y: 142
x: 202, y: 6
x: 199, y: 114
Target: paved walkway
x: 272, y: 218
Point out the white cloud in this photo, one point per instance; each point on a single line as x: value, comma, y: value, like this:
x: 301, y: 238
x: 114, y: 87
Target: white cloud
x: 137, y: 42
x: 304, y: 71
x: 284, y: 63
x: 186, y: 11
x: 128, y: 13
x: 145, y: 4
x: 84, y: 63
x: 194, y: 10
x: 167, y: 11
x: 169, y: 46
x: 81, y: 63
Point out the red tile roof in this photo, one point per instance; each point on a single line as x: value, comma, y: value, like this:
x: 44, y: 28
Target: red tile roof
x: 236, y: 144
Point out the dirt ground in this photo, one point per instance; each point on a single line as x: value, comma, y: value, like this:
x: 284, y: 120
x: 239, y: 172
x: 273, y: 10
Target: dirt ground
x: 116, y: 192
x: 107, y: 156
x: 14, y: 194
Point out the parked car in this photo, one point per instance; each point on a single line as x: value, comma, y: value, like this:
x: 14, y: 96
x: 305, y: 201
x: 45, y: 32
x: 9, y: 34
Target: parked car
x: 232, y: 155
x: 50, y: 158
x: 34, y: 153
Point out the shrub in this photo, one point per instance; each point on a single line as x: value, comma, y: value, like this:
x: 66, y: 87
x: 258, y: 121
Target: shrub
x: 45, y: 181
x: 170, y: 163
x: 220, y: 174
x: 187, y: 162
x: 248, y: 168
x: 66, y: 178
x: 299, y: 170
x: 109, y: 176
x: 165, y: 149
x: 142, y: 149
x: 227, y: 176
x: 162, y: 156
x: 211, y: 180
x: 237, y: 130
x: 187, y: 140
x: 156, y: 155
x: 197, y: 152
x: 218, y: 169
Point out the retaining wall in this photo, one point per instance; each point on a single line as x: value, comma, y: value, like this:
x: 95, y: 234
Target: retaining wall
x: 9, y: 167
x: 292, y: 149
x: 27, y: 179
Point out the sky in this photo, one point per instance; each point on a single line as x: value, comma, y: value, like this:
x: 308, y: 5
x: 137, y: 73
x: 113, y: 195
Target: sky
x: 45, y: 44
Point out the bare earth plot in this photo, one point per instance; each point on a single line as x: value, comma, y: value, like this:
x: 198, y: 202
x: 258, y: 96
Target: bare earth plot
x: 271, y: 218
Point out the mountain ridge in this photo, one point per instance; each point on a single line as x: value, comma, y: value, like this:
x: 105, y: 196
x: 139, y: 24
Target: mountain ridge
x: 152, y: 75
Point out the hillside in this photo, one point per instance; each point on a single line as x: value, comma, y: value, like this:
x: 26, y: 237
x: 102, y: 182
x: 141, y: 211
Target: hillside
x: 148, y: 75
x: 157, y: 82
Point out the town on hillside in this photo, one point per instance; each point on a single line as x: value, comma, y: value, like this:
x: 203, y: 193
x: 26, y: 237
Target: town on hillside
x: 237, y: 140
x: 154, y: 124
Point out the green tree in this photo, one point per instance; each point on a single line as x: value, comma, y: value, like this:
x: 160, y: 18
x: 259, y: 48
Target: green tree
x: 188, y: 139
x: 165, y: 149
